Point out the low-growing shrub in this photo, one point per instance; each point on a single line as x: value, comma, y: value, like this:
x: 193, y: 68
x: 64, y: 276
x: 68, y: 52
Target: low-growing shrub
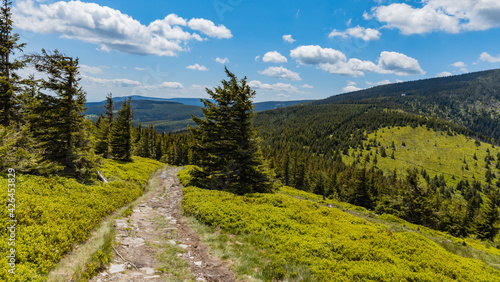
x: 54, y: 213
x: 332, y: 244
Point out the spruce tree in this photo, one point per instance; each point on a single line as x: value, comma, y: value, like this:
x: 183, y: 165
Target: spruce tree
x: 8, y: 78
x: 63, y: 131
x: 487, y: 228
x: 105, y: 126
x: 121, y: 138
x: 226, y: 146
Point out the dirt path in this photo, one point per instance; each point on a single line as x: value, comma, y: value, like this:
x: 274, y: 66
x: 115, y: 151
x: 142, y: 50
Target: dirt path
x: 154, y: 243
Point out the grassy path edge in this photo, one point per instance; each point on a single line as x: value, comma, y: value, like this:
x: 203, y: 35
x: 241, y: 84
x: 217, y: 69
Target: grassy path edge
x: 76, y: 265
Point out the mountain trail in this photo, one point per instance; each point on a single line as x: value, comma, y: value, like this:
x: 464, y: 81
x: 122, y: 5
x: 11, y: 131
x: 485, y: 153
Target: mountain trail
x: 154, y: 242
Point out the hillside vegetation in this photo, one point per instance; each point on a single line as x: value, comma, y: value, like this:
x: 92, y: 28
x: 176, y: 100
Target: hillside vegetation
x: 451, y: 155
x: 299, y: 239
x: 471, y: 100
x: 54, y: 213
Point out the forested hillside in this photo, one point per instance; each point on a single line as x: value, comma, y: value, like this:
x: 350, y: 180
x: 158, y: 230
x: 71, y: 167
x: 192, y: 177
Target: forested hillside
x: 471, y: 100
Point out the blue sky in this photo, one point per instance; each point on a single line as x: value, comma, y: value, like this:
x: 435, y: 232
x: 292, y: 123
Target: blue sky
x: 288, y: 50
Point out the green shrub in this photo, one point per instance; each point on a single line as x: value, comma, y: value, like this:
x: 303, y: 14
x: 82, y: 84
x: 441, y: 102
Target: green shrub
x: 54, y: 213
x: 332, y: 244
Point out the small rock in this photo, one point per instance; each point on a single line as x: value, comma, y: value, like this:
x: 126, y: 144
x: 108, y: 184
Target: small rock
x: 116, y: 268
x: 121, y: 223
x: 183, y: 246
x: 147, y: 270
x: 197, y: 263
x: 137, y: 210
x: 152, y: 277
x: 172, y: 242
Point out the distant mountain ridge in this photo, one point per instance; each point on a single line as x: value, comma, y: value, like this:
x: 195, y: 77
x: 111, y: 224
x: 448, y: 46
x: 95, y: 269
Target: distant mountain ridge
x: 170, y: 114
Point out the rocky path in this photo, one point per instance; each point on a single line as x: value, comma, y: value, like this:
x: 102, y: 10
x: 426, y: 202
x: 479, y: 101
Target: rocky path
x: 154, y: 243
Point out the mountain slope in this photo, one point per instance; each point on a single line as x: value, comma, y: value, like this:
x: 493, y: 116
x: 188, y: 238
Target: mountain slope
x: 471, y: 100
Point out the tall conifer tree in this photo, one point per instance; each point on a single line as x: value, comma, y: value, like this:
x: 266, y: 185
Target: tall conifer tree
x: 226, y: 143
x: 63, y: 131
x: 105, y: 126
x: 121, y: 135
x: 8, y: 78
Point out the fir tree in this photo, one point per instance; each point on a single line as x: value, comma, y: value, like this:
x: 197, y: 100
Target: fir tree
x: 225, y: 141
x: 8, y: 78
x: 121, y: 138
x: 104, y: 128
x: 63, y: 131
x: 487, y: 227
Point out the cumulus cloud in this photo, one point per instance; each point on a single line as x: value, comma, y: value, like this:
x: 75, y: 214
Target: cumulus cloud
x: 166, y: 84
x: 122, y: 82
x: 284, y: 96
x: 209, y: 28
x: 288, y: 38
x: 383, y: 82
x: 314, y: 55
x: 400, y: 64
x: 274, y: 57
x: 281, y: 72
x: 197, y: 67
x: 459, y: 65
x: 307, y: 86
x: 111, y: 29
x: 444, y: 74
x: 334, y: 61
x: 351, y: 87
x: 88, y: 69
x: 222, y: 61
x: 451, y: 16
x: 365, y: 34
x: 485, y: 57
x: 277, y: 87
x: 353, y: 67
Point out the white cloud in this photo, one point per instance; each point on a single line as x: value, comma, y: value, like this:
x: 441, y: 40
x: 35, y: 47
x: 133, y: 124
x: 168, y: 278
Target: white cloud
x: 166, y: 84
x: 197, y: 67
x: 314, y: 55
x: 88, y: 69
x: 139, y: 69
x: 288, y: 38
x: 274, y: 57
x: 257, y: 58
x: 366, y: 34
x: 451, y: 16
x: 111, y: 29
x: 485, y: 57
x: 353, y: 67
x: 277, y: 87
x: 281, y: 95
x: 209, y: 28
x: 334, y: 61
x: 383, y: 82
x: 444, y: 74
x: 307, y: 86
x: 222, y: 61
x: 122, y: 82
x: 400, y: 64
x: 351, y: 87
x: 459, y: 65
x: 281, y: 72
